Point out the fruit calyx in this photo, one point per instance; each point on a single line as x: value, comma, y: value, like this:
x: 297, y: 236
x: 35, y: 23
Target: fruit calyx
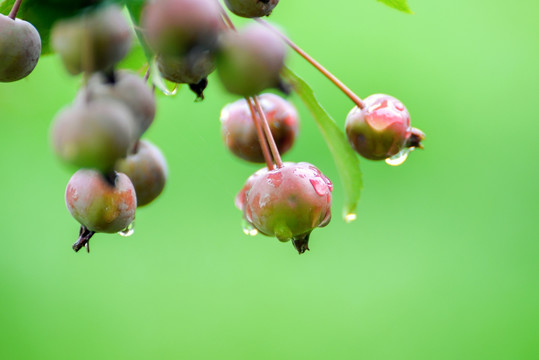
x: 84, y: 239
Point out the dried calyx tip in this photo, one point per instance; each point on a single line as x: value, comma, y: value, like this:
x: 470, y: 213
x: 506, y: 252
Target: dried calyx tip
x: 415, y: 139
x: 199, y: 88
x: 84, y: 239
x: 301, y: 243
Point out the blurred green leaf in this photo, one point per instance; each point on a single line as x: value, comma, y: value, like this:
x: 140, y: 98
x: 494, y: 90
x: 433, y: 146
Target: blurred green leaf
x: 345, y: 158
x: 44, y: 13
x: 135, y: 10
x: 401, y: 5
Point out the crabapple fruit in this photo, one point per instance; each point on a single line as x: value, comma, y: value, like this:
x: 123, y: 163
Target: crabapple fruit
x: 99, y: 205
x: 20, y: 47
x: 289, y: 202
x: 147, y: 170
x: 92, y: 42
x: 94, y: 134
x: 380, y: 129
x: 251, y: 8
x: 173, y: 27
x: 129, y: 89
x: 250, y: 61
x: 239, y: 132
x: 188, y: 69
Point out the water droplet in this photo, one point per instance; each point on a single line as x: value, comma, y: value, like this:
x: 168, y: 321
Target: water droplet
x: 159, y: 82
x: 319, y: 186
x: 399, y: 158
x: 350, y: 217
x: 248, y: 228
x: 128, y: 231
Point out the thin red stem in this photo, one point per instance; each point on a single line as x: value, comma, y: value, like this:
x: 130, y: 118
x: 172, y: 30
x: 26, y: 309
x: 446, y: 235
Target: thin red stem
x: 269, y: 135
x: 15, y: 9
x: 261, y: 123
x: 345, y: 89
x: 226, y: 18
x: 147, y: 74
x: 260, y: 134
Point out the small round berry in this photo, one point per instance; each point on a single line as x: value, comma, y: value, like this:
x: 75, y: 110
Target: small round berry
x: 380, y: 129
x: 251, y: 8
x: 189, y: 69
x: 101, y: 205
x: 147, y: 170
x: 250, y: 61
x: 239, y: 132
x: 20, y: 47
x: 92, y: 42
x: 289, y: 202
x: 93, y: 135
x: 126, y: 87
x: 174, y: 27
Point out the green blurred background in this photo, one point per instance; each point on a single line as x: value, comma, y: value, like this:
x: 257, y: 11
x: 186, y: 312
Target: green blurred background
x: 442, y: 263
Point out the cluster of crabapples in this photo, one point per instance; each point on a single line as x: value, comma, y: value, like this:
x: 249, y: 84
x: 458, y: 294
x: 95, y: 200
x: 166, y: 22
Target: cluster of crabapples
x: 100, y: 131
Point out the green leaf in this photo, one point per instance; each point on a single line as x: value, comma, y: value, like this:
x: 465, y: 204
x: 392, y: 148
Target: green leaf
x: 401, y: 5
x: 346, y: 160
x: 135, y: 10
x: 44, y: 13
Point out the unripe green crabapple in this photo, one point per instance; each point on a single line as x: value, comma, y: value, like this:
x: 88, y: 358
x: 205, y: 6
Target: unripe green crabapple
x: 93, y: 135
x: 20, y: 47
x: 92, y: 42
x: 250, y: 61
x: 147, y: 169
x: 251, y: 8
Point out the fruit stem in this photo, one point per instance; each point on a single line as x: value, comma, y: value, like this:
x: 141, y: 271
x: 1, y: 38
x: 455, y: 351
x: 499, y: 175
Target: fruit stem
x: 226, y: 18
x: 15, y: 9
x: 260, y: 135
x: 415, y: 138
x: 84, y: 239
x: 346, y: 90
x: 147, y: 74
x: 259, y: 127
x: 269, y: 135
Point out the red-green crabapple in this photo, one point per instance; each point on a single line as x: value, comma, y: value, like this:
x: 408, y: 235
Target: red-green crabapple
x: 289, y: 202
x: 239, y: 132
x: 379, y: 130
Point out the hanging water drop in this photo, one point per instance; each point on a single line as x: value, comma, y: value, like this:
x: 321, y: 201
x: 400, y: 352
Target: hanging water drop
x: 128, y: 231
x: 348, y: 218
x: 248, y: 228
x: 399, y: 158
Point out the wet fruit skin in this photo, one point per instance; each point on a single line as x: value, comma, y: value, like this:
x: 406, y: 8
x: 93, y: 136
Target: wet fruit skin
x: 173, y: 27
x: 250, y: 61
x: 241, y: 197
x: 381, y: 129
x: 20, y: 47
x: 251, y: 8
x: 93, y: 135
x: 92, y: 42
x: 98, y: 205
x: 128, y: 88
x: 239, y: 132
x: 147, y: 170
x: 289, y: 202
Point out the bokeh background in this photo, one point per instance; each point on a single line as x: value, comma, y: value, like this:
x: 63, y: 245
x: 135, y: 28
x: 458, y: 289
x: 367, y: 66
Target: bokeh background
x: 442, y: 262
